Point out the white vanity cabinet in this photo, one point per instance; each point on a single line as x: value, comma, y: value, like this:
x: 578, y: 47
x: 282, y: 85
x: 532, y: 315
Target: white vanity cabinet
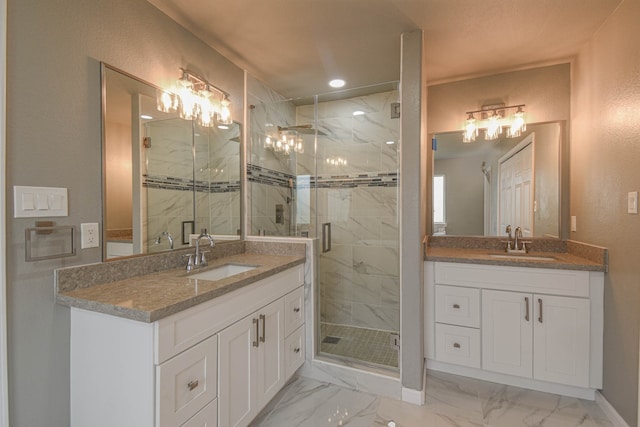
x: 215, y: 364
x: 251, y: 364
x: 530, y: 327
x: 536, y: 336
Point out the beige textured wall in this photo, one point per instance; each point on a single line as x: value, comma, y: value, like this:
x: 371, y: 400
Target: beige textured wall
x: 544, y: 90
x: 605, y: 165
x: 54, y: 51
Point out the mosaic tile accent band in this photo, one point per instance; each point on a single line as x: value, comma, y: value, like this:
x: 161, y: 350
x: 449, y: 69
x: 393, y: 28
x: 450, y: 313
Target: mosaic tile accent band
x: 262, y: 175
x: 180, y: 184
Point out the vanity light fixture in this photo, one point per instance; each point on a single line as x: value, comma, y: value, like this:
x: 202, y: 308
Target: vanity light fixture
x: 196, y: 99
x: 285, y: 140
x: 336, y: 161
x: 493, y: 121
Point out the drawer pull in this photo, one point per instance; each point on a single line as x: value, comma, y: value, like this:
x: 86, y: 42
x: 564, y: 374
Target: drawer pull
x: 192, y: 385
x: 296, y: 310
x: 456, y: 306
x: 456, y: 345
x: 264, y: 321
x: 540, y: 310
x: 526, y: 311
x: 256, y: 343
x: 296, y: 350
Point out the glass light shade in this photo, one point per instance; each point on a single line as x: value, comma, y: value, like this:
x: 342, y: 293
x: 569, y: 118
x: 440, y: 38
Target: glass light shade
x: 166, y: 101
x: 470, y: 130
x: 224, y: 116
x: 518, y: 125
x: 207, y: 108
x: 494, y: 128
x: 188, y: 99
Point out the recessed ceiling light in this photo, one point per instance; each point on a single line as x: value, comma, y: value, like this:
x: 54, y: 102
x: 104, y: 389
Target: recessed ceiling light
x: 146, y: 117
x: 358, y: 113
x: 336, y: 83
x: 390, y: 142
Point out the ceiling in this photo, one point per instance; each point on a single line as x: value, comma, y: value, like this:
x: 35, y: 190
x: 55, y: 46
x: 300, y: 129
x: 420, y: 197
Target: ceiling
x: 297, y: 46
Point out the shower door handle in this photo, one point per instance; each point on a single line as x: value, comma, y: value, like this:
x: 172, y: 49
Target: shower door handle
x: 326, y: 237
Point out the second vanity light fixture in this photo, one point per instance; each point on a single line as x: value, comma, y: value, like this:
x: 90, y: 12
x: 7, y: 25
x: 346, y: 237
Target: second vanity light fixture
x: 494, y: 120
x: 196, y: 99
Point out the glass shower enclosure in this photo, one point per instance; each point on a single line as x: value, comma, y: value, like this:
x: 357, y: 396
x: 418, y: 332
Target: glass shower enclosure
x: 338, y: 182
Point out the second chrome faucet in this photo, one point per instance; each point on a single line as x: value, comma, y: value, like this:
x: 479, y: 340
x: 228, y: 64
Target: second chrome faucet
x: 519, y: 245
x: 199, y: 259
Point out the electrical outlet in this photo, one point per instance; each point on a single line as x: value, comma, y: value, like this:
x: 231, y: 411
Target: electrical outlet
x: 89, y: 235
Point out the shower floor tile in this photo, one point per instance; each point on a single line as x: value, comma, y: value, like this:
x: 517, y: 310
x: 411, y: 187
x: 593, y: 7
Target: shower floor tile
x: 366, y: 345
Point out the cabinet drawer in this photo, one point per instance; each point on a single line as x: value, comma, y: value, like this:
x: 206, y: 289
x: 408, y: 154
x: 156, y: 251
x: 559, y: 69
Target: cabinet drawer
x: 457, y: 344
x: 522, y: 279
x: 294, y: 310
x: 180, y: 331
x: 294, y: 352
x: 458, y: 306
x: 186, y: 383
x: 207, y: 417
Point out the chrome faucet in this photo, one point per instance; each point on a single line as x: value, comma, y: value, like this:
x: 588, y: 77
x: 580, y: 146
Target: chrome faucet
x: 518, y: 235
x: 519, y: 245
x: 201, y: 260
x: 169, y: 238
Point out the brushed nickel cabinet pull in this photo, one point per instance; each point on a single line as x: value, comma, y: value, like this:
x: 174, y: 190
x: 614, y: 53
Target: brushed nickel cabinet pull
x: 526, y: 312
x: 256, y: 343
x: 192, y: 385
x: 540, y: 310
x: 264, y: 321
x: 456, y: 345
x: 456, y: 306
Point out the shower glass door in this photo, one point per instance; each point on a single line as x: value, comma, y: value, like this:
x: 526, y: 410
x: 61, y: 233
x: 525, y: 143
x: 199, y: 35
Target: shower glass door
x: 357, y: 222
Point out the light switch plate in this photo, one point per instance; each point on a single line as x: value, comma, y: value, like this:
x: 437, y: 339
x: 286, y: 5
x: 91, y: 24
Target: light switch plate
x: 632, y: 202
x: 29, y: 202
x: 574, y: 221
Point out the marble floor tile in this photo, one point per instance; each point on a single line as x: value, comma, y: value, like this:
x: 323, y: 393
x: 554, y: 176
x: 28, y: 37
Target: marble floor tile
x: 451, y: 401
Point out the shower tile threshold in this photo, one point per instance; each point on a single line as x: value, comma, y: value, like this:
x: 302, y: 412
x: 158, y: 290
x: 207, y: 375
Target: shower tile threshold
x: 369, y: 346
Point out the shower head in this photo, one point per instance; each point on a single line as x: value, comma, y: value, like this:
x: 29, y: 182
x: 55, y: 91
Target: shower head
x: 303, y: 129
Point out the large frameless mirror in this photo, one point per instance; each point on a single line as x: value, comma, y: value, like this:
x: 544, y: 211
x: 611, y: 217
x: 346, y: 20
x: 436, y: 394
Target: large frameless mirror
x: 164, y: 178
x: 480, y: 187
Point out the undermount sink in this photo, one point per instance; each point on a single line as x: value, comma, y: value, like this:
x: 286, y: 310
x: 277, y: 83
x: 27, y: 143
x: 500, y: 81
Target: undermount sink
x: 222, y: 272
x: 523, y: 257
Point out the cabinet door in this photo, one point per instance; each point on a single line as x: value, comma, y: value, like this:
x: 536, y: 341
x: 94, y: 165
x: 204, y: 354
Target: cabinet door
x: 270, y: 370
x: 507, y: 335
x: 236, y: 377
x: 561, y: 340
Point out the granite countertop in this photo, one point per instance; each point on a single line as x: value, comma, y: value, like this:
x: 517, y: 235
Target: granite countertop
x: 151, y: 297
x: 561, y: 260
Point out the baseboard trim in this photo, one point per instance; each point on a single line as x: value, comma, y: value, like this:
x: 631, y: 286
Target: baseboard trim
x: 610, y: 411
x: 416, y: 397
